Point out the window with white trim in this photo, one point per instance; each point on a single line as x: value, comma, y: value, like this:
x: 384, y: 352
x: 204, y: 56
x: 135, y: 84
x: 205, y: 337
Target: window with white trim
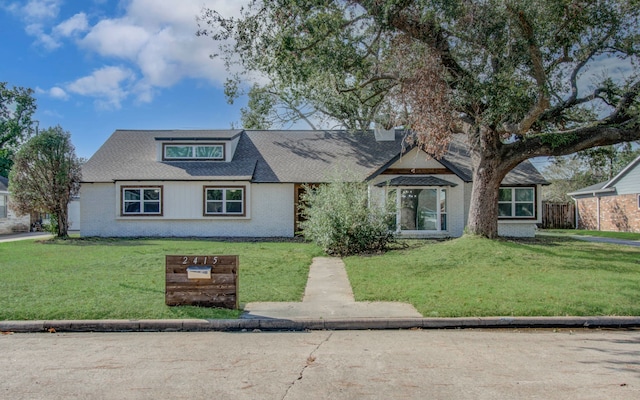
x: 224, y: 200
x: 207, y: 151
x: 420, y: 208
x: 517, y: 202
x: 3, y: 206
x: 146, y: 200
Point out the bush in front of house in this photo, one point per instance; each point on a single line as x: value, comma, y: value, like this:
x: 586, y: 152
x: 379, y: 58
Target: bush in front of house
x: 339, y: 219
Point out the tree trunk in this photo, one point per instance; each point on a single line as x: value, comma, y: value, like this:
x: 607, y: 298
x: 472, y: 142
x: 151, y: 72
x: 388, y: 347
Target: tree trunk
x: 63, y: 223
x: 483, y: 210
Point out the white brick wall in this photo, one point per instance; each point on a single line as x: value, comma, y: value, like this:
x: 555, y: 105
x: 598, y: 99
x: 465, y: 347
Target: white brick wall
x: 517, y: 229
x: 270, y: 212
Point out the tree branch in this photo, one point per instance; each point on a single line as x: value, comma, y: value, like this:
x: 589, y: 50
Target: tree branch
x: 563, y: 143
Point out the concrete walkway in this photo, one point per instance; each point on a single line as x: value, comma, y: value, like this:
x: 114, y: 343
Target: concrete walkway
x: 328, y: 295
x: 13, y: 237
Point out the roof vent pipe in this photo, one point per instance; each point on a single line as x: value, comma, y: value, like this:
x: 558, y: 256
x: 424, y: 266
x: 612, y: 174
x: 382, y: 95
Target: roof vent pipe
x: 384, y: 135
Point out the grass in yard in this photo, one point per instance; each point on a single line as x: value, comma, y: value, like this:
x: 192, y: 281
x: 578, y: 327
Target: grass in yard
x: 125, y: 279
x: 612, y: 235
x: 471, y: 276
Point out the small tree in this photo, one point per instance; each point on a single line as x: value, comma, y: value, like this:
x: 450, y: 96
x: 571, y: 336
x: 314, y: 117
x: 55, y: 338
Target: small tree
x: 45, y: 176
x: 340, y: 220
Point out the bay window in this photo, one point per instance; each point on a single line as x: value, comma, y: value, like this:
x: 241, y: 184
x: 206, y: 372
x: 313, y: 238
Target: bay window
x: 420, y: 209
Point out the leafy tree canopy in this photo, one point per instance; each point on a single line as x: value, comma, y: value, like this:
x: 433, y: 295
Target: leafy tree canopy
x: 520, y: 78
x: 17, y: 106
x: 45, y: 176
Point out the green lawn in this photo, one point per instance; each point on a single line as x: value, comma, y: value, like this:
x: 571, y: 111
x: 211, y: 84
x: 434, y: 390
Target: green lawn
x: 113, y: 278
x: 466, y: 277
x: 124, y: 279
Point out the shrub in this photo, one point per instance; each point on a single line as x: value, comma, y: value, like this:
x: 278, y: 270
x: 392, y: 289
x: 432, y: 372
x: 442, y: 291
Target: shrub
x: 339, y: 219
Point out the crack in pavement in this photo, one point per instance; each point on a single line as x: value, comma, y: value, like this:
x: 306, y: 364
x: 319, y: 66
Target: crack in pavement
x: 310, y: 360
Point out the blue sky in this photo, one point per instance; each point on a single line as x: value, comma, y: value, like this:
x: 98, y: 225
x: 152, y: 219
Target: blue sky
x: 101, y: 65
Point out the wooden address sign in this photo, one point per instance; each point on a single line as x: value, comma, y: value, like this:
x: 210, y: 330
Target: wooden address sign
x: 206, y: 281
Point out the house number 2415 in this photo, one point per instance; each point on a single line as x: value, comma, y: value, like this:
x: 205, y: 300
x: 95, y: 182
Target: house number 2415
x: 203, y: 260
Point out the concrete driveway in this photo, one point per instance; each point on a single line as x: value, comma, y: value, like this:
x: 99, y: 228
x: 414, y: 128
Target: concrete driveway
x: 391, y: 364
x: 12, y: 237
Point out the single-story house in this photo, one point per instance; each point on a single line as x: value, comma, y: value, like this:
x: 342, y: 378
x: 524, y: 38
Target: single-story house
x: 613, y: 205
x: 10, y: 221
x: 247, y: 183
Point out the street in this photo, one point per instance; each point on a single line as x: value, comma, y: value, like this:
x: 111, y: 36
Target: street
x: 391, y: 364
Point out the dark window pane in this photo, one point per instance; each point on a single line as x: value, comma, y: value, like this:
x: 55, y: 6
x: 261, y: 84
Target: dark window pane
x: 234, y: 194
x: 504, y: 195
x: 234, y: 207
x: 152, y: 207
x: 214, y: 194
x: 132, y: 194
x: 214, y: 207
x: 504, y: 210
x: 524, y: 194
x: 131, y: 207
x: 524, y: 209
x: 152, y: 194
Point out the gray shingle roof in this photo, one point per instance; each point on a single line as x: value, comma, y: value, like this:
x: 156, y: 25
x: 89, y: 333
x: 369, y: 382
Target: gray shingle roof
x: 4, y: 184
x: 271, y: 156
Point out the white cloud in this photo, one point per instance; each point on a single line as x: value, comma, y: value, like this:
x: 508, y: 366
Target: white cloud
x: 45, y: 40
x: 76, y: 24
x: 38, y: 10
x: 39, y: 15
x: 158, y: 38
x: 108, y: 85
x: 58, y: 93
x: 116, y: 38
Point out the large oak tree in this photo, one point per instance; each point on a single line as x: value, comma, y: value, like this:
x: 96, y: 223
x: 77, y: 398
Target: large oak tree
x: 520, y: 78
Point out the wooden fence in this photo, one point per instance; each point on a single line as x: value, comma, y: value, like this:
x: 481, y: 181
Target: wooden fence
x: 558, y: 215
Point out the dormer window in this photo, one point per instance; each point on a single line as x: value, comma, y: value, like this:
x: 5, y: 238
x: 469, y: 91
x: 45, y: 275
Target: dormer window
x: 206, y: 151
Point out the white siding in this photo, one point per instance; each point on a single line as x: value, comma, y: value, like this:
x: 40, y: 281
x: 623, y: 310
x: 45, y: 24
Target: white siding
x: 270, y: 212
x: 74, y: 215
x: 416, y: 159
x: 630, y: 182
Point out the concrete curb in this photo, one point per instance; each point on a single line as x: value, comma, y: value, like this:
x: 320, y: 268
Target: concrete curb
x: 240, y: 325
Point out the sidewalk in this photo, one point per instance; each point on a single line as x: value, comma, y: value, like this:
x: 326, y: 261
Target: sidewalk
x: 328, y: 295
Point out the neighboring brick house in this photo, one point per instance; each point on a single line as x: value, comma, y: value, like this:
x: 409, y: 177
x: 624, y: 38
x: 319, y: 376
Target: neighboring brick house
x: 613, y: 205
x: 247, y: 183
x: 9, y: 221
